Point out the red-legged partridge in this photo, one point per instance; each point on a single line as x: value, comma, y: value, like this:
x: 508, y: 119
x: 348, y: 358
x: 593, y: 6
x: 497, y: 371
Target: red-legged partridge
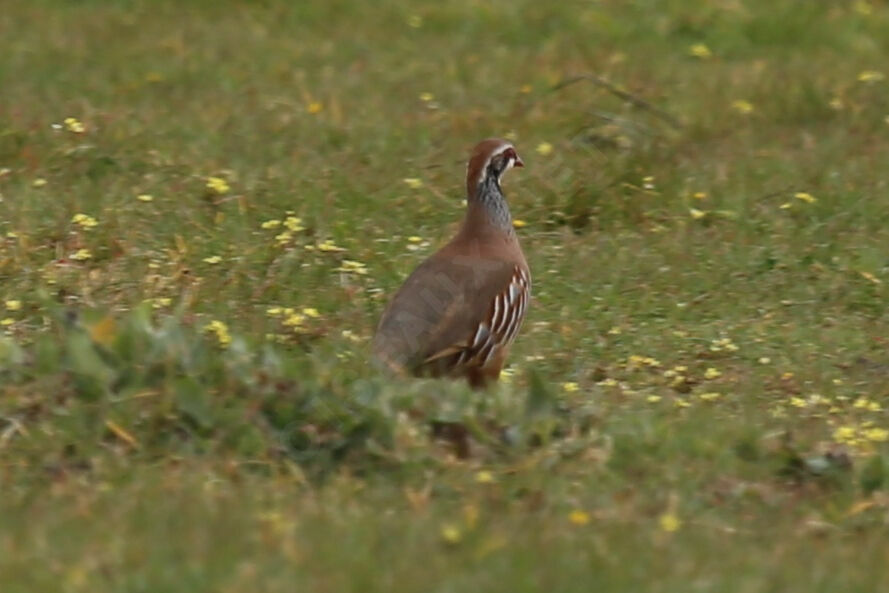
x: 459, y: 311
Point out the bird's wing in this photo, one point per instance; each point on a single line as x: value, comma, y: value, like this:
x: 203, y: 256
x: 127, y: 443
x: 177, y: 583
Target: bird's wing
x: 437, y: 311
x: 495, y: 323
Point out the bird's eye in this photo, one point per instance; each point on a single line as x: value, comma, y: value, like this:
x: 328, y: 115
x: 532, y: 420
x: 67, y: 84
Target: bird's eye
x: 504, y: 157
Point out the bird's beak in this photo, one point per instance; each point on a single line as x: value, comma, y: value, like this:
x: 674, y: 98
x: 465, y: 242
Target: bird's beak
x: 518, y: 162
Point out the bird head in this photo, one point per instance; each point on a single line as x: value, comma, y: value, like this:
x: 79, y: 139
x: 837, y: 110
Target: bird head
x: 490, y: 159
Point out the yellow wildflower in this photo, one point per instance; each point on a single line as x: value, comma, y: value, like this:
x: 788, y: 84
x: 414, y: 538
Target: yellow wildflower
x: 145, y: 198
x: 743, y: 107
x: 871, y: 76
x: 212, y: 260
x: 570, y: 387
x: 846, y: 435
x: 218, y: 185
x: 81, y: 255
x: 352, y: 267
x: 699, y: 195
x: 544, y: 148
x: 329, y: 246
x: 13, y: 305
x: 697, y: 214
x: 710, y: 396
x: 84, y: 221
x: 220, y: 329
x: 294, y: 224
x: 669, y: 522
x: 413, y: 182
x: 161, y: 302
x: 636, y: 360
x: 415, y: 21
x: 451, y: 534
x: 427, y: 97
x: 484, y: 477
x: 723, y: 344
x: 653, y: 399
x: 712, y: 373
x: 864, y: 403
x: 805, y: 197
x: 518, y: 223
x: 271, y: 224
x: 294, y: 320
x: 311, y: 312
x: 7, y: 321
x: 678, y: 380
x: 39, y: 182
x: 700, y: 50
x: 72, y: 124
x: 579, y: 517
x: 879, y: 435
x: 315, y: 107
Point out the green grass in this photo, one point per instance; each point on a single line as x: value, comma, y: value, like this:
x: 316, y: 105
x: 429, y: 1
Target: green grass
x: 671, y: 262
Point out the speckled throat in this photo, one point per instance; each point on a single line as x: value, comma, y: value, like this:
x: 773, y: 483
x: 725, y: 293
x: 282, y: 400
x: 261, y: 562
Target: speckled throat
x: 493, y: 202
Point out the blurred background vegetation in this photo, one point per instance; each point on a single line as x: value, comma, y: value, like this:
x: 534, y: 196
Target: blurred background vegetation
x: 205, y: 205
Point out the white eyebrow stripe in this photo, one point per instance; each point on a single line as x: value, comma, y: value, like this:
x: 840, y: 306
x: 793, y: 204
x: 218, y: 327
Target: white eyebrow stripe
x: 498, y: 152
x: 502, y: 149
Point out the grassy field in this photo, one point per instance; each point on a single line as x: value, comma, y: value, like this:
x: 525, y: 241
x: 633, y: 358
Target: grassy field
x: 204, y: 207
